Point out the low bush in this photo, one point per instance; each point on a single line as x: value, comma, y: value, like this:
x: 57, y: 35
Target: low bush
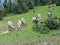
x: 53, y: 23
x: 40, y: 27
x: 47, y: 25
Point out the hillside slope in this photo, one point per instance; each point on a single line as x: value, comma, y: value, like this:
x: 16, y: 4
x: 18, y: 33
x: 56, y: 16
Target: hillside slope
x: 26, y: 35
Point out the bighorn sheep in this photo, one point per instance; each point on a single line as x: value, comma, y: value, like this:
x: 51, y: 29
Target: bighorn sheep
x: 19, y: 24
x: 38, y: 18
x: 23, y: 21
x: 33, y: 19
x: 10, y: 25
x: 49, y: 15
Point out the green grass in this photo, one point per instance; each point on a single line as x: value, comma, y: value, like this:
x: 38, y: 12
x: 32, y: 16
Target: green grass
x: 27, y: 32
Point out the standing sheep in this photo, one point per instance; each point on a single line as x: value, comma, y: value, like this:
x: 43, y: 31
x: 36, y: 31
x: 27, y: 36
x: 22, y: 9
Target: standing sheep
x: 38, y: 18
x: 23, y: 21
x: 19, y: 24
x: 33, y: 19
x: 10, y: 25
x: 50, y: 14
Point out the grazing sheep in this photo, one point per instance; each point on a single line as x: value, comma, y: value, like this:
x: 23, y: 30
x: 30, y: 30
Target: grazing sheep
x: 33, y: 19
x: 38, y: 18
x: 23, y: 21
x: 19, y: 24
x: 50, y: 14
x: 10, y: 25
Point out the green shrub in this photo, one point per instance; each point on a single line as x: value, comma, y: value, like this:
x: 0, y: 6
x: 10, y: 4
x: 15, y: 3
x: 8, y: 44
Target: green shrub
x: 52, y: 23
x: 49, y: 24
x: 40, y: 27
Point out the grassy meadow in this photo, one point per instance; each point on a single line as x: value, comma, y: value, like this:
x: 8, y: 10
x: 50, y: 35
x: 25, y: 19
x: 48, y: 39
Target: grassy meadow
x: 26, y: 35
